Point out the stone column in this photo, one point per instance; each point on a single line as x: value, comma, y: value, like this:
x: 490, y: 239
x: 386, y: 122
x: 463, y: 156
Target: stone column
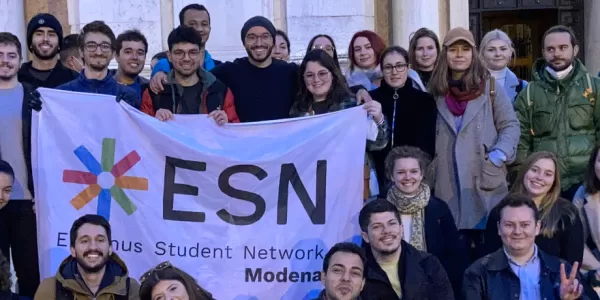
x: 58, y: 8
x: 280, y: 14
x: 383, y: 19
x: 592, y: 36
x: 166, y: 21
x: 409, y: 16
x: 458, y: 13
x: 12, y: 16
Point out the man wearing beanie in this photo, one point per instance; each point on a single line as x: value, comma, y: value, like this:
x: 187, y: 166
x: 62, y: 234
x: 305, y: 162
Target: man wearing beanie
x: 44, y: 41
x: 264, y: 88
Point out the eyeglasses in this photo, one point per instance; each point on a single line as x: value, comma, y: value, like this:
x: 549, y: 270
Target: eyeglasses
x: 180, y: 54
x: 159, y: 267
x: 399, y: 68
x: 327, y: 48
x: 92, y: 47
x: 252, y: 38
x: 322, y: 75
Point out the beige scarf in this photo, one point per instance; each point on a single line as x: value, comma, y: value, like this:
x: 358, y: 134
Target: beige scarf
x: 414, y: 206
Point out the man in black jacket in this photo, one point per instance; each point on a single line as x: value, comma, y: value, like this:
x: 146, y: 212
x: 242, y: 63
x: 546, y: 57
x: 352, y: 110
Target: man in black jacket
x: 395, y: 269
x: 343, y: 272
x: 44, y: 41
x: 519, y: 270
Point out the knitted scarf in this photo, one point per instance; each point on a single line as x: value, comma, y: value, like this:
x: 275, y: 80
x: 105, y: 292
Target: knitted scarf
x: 457, y: 97
x: 414, y: 206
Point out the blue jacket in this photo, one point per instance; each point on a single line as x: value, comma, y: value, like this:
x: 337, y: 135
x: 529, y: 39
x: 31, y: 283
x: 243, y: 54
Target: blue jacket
x: 106, y: 86
x: 163, y: 65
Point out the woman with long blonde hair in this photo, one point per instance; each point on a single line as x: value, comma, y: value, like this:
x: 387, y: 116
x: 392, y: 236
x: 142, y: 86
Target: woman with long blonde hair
x: 561, y: 234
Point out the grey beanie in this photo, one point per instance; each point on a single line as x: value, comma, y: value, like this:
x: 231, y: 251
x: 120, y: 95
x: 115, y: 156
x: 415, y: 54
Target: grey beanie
x: 261, y: 22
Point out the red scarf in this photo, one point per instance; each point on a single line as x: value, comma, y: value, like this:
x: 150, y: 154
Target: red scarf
x: 457, y: 99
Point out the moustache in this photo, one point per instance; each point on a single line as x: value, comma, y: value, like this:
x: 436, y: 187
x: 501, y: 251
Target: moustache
x: 259, y: 47
x: 558, y: 60
x: 6, y: 65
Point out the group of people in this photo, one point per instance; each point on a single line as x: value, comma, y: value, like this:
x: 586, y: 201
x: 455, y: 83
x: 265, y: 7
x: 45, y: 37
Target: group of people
x: 477, y: 184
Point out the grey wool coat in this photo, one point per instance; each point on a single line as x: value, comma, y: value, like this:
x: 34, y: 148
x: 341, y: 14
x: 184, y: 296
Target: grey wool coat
x: 464, y: 177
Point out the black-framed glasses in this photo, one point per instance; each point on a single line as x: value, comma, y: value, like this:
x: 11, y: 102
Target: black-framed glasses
x: 322, y: 75
x: 180, y: 54
x: 398, y: 67
x: 163, y: 265
x: 253, y: 38
x: 92, y: 47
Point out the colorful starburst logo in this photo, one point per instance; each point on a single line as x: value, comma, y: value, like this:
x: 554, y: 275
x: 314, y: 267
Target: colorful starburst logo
x: 105, y: 180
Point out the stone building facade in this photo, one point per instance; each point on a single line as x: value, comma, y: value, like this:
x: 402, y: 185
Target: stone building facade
x: 394, y: 20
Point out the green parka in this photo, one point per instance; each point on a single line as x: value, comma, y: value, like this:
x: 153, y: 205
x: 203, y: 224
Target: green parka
x: 560, y: 116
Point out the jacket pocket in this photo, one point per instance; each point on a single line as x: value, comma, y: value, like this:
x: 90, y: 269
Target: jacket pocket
x: 542, y: 121
x: 580, y: 115
x: 492, y: 177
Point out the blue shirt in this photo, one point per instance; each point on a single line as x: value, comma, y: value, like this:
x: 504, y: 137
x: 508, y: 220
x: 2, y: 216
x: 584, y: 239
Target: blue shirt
x: 529, y: 275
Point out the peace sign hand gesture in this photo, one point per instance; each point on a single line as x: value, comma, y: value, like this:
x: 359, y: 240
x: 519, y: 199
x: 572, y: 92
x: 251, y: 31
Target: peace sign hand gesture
x: 570, y: 288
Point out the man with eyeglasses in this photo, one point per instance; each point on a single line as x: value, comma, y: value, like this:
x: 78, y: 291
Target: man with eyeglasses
x: 97, y: 43
x: 92, y: 270
x: 45, y: 41
x: 189, y: 88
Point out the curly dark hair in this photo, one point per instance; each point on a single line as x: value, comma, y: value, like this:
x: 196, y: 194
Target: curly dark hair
x: 5, y: 282
x: 339, y: 88
x: 406, y: 152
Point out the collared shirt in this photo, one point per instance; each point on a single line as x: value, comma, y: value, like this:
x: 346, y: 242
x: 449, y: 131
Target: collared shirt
x: 529, y: 275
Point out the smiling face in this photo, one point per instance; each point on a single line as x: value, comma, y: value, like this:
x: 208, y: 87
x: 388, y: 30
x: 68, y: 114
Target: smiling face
x: 425, y: 53
x: 281, y: 50
x: 497, y: 54
x: 6, y: 183
x: 259, y: 44
x: 384, y: 233
x: 44, y: 43
x: 199, y: 20
x: 517, y: 229
x: 539, y: 179
x: 407, y: 175
x: 318, y: 80
x: 364, y: 55
x: 459, y: 56
x: 186, y: 58
x: 344, y: 278
x: 97, y: 51
x: 92, y: 248
x: 169, y: 290
x: 131, y: 58
x: 10, y: 60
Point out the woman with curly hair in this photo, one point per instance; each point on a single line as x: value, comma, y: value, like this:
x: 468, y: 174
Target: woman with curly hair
x: 166, y: 282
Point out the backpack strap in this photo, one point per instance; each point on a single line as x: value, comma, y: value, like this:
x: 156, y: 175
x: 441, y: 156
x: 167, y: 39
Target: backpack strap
x: 519, y: 87
x: 530, y: 107
x: 493, y: 94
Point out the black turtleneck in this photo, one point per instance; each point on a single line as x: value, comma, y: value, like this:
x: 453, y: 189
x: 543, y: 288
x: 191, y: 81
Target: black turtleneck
x: 425, y: 76
x: 414, y: 123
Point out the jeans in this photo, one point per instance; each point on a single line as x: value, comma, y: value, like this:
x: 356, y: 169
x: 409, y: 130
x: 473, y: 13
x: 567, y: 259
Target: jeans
x: 18, y: 239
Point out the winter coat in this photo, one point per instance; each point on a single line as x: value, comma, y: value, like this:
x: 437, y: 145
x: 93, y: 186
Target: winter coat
x: 106, y: 86
x: 560, y: 116
x: 68, y: 277
x: 214, y: 95
x: 464, y: 176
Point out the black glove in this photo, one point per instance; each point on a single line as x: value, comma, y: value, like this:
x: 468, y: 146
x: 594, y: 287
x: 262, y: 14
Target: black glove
x: 121, y: 96
x: 35, y: 101
x: 130, y: 98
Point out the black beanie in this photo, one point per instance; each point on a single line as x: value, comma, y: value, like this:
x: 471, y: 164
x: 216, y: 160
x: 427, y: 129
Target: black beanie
x: 44, y: 20
x: 259, y: 21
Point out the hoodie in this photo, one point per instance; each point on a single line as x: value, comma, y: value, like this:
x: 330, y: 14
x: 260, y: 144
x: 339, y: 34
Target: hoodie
x: 113, y: 283
x: 106, y: 86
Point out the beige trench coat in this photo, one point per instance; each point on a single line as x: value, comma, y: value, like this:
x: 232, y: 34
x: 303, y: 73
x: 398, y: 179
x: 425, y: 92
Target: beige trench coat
x: 464, y: 177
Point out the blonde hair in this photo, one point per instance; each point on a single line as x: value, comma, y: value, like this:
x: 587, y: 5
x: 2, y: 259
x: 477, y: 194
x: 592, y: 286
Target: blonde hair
x: 551, y: 210
x: 493, y: 35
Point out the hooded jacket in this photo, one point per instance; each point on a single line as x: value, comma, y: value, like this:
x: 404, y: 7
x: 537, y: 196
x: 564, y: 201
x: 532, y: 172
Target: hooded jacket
x: 106, y: 86
x: 214, y: 94
x: 113, y: 283
x: 560, y: 116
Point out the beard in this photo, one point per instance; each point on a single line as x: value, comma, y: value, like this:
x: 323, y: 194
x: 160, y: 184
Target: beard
x: 567, y: 63
x: 9, y: 76
x: 92, y: 269
x: 98, y: 66
x: 45, y: 56
x: 259, y: 60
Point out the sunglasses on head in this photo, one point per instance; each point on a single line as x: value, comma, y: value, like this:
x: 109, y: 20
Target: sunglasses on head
x: 159, y: 267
